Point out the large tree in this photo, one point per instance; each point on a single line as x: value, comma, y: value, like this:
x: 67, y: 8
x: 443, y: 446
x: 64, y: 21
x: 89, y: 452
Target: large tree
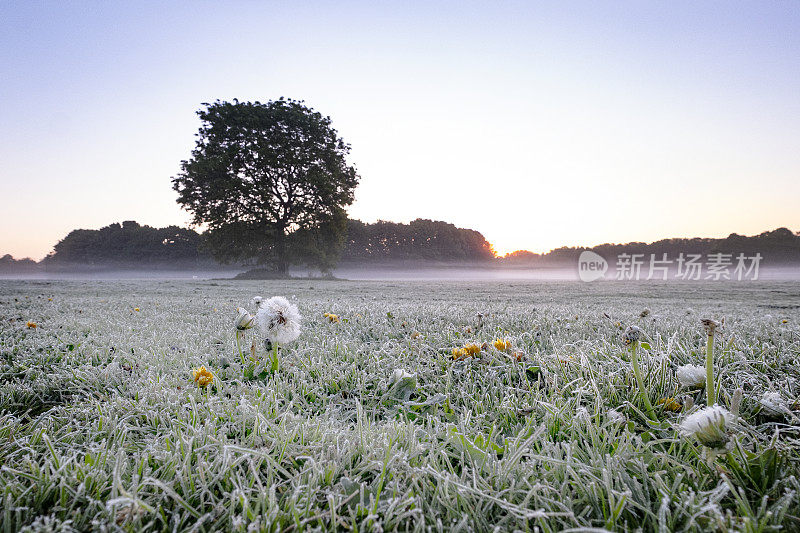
x: 264, y: 175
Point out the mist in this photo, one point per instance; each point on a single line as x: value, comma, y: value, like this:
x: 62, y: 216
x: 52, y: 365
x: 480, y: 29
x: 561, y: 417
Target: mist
x: 384, y: 272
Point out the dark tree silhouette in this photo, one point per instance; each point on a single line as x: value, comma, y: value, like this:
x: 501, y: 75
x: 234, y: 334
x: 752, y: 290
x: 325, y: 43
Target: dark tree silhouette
x: 421, y: 239
x: 129, y: 243
x: 132, y: 245
x: 261, y: 173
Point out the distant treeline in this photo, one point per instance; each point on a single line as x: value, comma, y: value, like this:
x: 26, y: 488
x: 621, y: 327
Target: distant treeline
x: 421, y: 239
x: 130, y: 245
x: 777, y: 247
x: 129, y: 242
x: 9, y: 264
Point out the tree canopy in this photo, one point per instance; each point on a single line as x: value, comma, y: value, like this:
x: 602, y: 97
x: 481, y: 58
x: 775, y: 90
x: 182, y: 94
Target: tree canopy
x: 267, y: 180
x: 421, y: 239
x: 129, y: 243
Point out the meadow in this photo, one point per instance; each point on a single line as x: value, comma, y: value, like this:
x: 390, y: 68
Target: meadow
x: 371, y: 423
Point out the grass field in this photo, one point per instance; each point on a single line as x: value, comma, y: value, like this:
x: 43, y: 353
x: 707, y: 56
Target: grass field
x: 371, y: 425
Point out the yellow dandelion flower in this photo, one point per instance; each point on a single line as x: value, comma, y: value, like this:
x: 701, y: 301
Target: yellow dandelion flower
x: 502, y: 345
x: 49, y: 299
x: 472, y: 349
x: 32, y: 325
x: 469, y: 350
x: 459, y: 354
x: 202, y: 377
x: 332, y: 318
x: 670, y: 404
x: 784, y: 321
x: 136, y: 309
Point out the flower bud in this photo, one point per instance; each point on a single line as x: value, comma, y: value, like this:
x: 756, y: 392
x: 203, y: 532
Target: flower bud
x: 245, y: 320
x: 709, y: 325
x: 631, y: 335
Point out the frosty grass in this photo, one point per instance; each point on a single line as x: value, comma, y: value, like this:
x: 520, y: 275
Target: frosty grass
x: 371, y: 425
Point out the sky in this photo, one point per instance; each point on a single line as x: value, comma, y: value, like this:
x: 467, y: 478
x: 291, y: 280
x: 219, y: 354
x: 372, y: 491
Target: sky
x: 539, y: 124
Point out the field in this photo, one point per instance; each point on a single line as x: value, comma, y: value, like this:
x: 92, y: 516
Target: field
x: 370, y: 424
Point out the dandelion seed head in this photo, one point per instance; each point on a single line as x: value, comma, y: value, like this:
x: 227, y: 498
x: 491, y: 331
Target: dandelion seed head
x: 278, y: 320
x: 691, y: 376
x: 709, y: 426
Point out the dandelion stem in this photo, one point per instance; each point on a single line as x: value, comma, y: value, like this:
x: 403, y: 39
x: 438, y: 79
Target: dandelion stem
x: 275, y: 362
x: 239, y: 346
x: 640, y: 380
x: 710, y: 392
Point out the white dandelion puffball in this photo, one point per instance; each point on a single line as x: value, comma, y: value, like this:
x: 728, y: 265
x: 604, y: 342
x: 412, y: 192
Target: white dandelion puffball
x: 257, y: 301
x: 709, y: 426
x: 278, y: 320
x: 692, y: 376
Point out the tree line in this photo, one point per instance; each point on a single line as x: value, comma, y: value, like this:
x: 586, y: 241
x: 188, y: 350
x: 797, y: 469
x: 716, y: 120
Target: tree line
x: 421, y: 239
x: 130, y: 244
x: 779, y: 246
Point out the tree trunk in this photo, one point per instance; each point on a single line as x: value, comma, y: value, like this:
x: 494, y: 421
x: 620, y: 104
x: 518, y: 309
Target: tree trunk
x: 280, y: 260
x: 282, y: 267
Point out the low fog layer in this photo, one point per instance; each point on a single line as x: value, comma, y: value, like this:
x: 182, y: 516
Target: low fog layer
x: 400, y: 272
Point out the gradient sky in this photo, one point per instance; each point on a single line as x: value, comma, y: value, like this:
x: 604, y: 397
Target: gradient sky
x: 538, y: 124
